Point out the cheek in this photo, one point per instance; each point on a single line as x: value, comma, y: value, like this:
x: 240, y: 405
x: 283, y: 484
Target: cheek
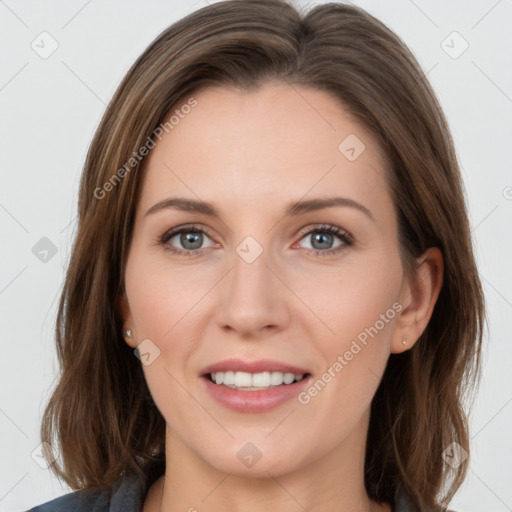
x: 162, y: 303
x: 355, y: 300
x: 160, y: 295
x: 357, y: 303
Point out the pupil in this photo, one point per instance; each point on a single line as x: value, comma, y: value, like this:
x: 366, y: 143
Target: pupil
x: 322, y: 238
x: 194, y: 238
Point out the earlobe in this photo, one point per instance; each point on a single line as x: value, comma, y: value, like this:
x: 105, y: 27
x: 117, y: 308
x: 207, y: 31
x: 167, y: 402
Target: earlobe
x: 420, y: 294
x: 123, y: 310
x: 128, y: 337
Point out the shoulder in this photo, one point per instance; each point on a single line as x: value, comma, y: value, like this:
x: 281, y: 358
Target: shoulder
x: 126, y: 495
x: 403, y: 503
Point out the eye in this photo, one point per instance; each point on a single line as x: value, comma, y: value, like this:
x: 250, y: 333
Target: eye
x: 322, y: 238
x: 190, y: 238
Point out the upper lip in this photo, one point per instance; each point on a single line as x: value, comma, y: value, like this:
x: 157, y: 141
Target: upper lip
x: 261, y: 365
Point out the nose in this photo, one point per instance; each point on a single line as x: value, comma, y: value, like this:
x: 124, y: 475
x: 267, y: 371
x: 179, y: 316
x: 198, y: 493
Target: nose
x: 253, y: 301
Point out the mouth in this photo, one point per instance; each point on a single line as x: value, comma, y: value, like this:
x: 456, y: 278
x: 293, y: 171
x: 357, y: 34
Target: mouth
x: 245, y: 381
x: 256, y: 386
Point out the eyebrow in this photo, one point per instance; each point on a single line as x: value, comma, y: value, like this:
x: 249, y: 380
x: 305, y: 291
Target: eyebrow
x: 292, y: 209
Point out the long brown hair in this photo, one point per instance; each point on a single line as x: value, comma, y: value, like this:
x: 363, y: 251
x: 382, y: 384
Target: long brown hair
x: 101, y: 417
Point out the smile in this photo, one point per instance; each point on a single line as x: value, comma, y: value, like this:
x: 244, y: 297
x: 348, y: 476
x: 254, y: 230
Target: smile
x: 253, y: 386
x: 245, y: 381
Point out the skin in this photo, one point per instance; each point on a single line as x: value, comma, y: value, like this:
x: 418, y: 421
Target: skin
x: 250, y: 154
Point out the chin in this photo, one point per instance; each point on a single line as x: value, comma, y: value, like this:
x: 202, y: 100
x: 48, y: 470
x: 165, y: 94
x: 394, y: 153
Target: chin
x: 238, y: 463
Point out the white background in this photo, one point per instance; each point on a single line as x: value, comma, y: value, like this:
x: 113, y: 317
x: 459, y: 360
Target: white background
x: 50, y: 109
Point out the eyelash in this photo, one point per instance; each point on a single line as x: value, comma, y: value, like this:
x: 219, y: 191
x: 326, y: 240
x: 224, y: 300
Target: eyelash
x: 344, y: 236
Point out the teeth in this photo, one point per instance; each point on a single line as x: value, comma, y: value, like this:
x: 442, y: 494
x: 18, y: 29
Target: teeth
x: 243, y: 380
x: 254, y: 381
x: 260, y: 380
x: 276, y: 378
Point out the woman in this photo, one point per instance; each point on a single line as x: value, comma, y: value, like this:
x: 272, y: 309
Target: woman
x: 272, y: 299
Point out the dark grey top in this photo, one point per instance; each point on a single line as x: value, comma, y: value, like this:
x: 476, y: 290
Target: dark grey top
x: 128, y: 495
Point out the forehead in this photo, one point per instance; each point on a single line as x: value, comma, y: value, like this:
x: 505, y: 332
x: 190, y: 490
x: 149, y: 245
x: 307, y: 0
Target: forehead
x: 280, y: 141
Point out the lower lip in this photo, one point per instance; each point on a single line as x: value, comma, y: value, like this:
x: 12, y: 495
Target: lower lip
x: 255, y: 401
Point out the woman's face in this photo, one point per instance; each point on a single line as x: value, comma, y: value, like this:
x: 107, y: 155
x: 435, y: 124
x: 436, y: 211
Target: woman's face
x: 255, y: 284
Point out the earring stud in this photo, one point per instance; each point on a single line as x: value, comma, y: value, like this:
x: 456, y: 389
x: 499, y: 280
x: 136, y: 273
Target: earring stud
x: 127, y: 333
x: 404, y: 341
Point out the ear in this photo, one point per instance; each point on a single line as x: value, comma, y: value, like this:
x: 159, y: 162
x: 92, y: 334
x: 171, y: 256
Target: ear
x: 418, y: 298
x: 123, y: 309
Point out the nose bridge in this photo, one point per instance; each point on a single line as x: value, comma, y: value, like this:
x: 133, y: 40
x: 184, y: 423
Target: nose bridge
x: 250, y: 273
